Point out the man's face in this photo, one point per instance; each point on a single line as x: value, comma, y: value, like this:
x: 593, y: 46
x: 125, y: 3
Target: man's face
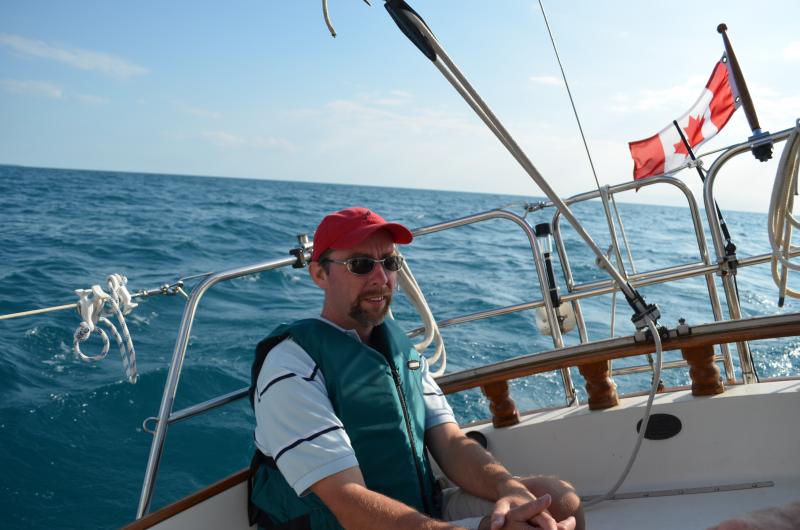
x: 358, y: 302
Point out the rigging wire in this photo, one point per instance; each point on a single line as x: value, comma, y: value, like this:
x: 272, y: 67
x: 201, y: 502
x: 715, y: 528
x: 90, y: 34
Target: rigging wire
x: 569, y: 92
x: 656, y: 383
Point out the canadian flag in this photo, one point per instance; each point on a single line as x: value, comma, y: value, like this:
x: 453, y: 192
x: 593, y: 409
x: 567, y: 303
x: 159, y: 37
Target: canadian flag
x: 665, y: 151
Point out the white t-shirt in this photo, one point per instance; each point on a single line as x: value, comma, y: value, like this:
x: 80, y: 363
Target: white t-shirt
x: 295, y: 421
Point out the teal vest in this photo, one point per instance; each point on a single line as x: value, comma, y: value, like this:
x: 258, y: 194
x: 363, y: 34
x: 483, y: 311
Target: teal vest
x: 376, y: 391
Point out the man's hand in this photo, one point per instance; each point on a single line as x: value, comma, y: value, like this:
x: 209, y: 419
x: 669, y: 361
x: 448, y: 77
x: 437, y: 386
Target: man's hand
x: 517, y: 512
x: 471, y: 467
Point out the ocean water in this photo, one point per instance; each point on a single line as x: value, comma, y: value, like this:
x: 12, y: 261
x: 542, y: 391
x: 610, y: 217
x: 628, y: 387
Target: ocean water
x: 73, y: 449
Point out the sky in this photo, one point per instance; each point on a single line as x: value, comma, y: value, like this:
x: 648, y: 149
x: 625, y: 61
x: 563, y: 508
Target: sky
x: 259, y: 89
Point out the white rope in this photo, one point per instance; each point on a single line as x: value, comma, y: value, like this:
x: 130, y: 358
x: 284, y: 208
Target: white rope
x: 327, y: 17
x: 82, y: 334
x: 126, y: 350
x: 91, y: 307
x: 780, y: 220
x: 645, y: 421
x: 432, y: 334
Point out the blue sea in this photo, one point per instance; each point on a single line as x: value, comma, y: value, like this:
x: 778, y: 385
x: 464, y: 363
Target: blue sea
x: 73, y: 449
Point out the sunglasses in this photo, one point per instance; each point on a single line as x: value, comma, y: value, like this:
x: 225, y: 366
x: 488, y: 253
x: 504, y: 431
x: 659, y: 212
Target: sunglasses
x: 361, y: 266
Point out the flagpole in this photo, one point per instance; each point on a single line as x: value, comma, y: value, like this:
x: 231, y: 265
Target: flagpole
x: 761, y: 150
x: 730, y: 248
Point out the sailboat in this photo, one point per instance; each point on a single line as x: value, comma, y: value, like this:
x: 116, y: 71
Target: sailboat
x: 672, y: 457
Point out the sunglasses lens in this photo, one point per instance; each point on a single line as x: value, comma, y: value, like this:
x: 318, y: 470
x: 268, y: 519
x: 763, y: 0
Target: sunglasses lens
x: 360, y: 265
x: 393, y: 263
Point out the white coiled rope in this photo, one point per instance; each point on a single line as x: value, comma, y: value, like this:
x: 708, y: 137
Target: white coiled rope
x: 91, y: 308
x: 411, y: 287
x: 780, y: 220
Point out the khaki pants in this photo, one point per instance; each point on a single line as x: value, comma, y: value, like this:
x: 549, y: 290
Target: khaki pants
x: 464, y: 509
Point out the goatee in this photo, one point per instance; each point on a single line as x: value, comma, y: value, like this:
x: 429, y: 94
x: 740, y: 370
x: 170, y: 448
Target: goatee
x: 369, y: 317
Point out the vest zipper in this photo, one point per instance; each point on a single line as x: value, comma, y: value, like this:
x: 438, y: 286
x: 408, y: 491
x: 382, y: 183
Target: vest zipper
x: 404, y: 406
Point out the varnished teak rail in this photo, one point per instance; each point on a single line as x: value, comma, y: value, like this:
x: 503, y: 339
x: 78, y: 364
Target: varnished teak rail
x: 688, y: 340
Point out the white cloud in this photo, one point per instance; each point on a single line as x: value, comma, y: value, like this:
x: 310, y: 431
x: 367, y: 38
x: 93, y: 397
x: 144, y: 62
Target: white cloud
x: 37, y: 88
x: 361, y: 141
x: 91, y: 99
x: 792, y: 51
x: 392, y: 98
x: 369, y: 119
x: 549, y: 80
x: 271, y: 143
x: 202, y: 113
x: 389, y: 102
x: 227, y: 140
x: 78, y: 58
x: 683, y: 94
x: 776, y: 112
x: 223, y: 139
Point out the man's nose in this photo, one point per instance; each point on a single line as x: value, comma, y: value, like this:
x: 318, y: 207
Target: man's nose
x: 379, y: 274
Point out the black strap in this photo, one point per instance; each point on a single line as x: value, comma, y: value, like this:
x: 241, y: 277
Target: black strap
x: 258, y: 516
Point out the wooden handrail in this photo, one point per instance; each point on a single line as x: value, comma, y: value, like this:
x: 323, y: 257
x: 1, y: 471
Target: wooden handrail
x: 705, y: 334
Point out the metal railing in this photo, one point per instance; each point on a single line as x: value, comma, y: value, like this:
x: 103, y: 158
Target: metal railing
x: 165, y: 415
x: 576, y: 292
x: 728, y: 268
x: 609, y: 191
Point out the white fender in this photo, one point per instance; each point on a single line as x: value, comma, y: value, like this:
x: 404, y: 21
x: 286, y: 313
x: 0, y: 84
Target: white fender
x: 566, y: 318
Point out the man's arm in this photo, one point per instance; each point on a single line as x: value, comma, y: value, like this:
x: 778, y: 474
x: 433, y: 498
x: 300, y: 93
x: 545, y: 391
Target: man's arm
x: 357, y: 507
x: 468, y: 464
x: 472, y: 468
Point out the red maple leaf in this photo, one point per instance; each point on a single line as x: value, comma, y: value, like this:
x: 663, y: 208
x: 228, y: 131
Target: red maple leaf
x: 694, y: 134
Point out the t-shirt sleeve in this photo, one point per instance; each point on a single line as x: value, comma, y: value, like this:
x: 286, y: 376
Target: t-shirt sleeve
x: 437, y: 409
x: 295, y: 421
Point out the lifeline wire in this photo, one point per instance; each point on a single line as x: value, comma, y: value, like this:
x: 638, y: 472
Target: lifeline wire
x: 165, y: 290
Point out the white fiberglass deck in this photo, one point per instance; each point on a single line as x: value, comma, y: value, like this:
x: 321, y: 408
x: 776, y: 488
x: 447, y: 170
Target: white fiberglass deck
x: 748, y: 435
x: 689, y: 511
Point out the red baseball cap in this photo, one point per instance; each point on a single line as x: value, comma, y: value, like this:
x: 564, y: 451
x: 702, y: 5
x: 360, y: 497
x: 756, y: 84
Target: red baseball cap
x: 347, y: 228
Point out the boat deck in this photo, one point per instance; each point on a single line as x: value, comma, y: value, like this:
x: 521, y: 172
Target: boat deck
x: 694, y: 511
x: 736, y: 452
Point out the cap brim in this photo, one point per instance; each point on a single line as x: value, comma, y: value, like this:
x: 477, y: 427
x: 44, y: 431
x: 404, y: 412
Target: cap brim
x: 400, y: 234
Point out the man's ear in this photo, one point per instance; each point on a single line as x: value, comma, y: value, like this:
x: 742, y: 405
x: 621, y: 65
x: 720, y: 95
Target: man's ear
x: 318, y: 274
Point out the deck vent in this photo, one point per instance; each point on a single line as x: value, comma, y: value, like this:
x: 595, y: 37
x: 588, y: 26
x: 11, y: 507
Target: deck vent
x: 661, y: 427
x: 481, y: 438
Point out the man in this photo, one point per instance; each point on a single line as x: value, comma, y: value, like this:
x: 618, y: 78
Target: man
x: 346, y: 412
